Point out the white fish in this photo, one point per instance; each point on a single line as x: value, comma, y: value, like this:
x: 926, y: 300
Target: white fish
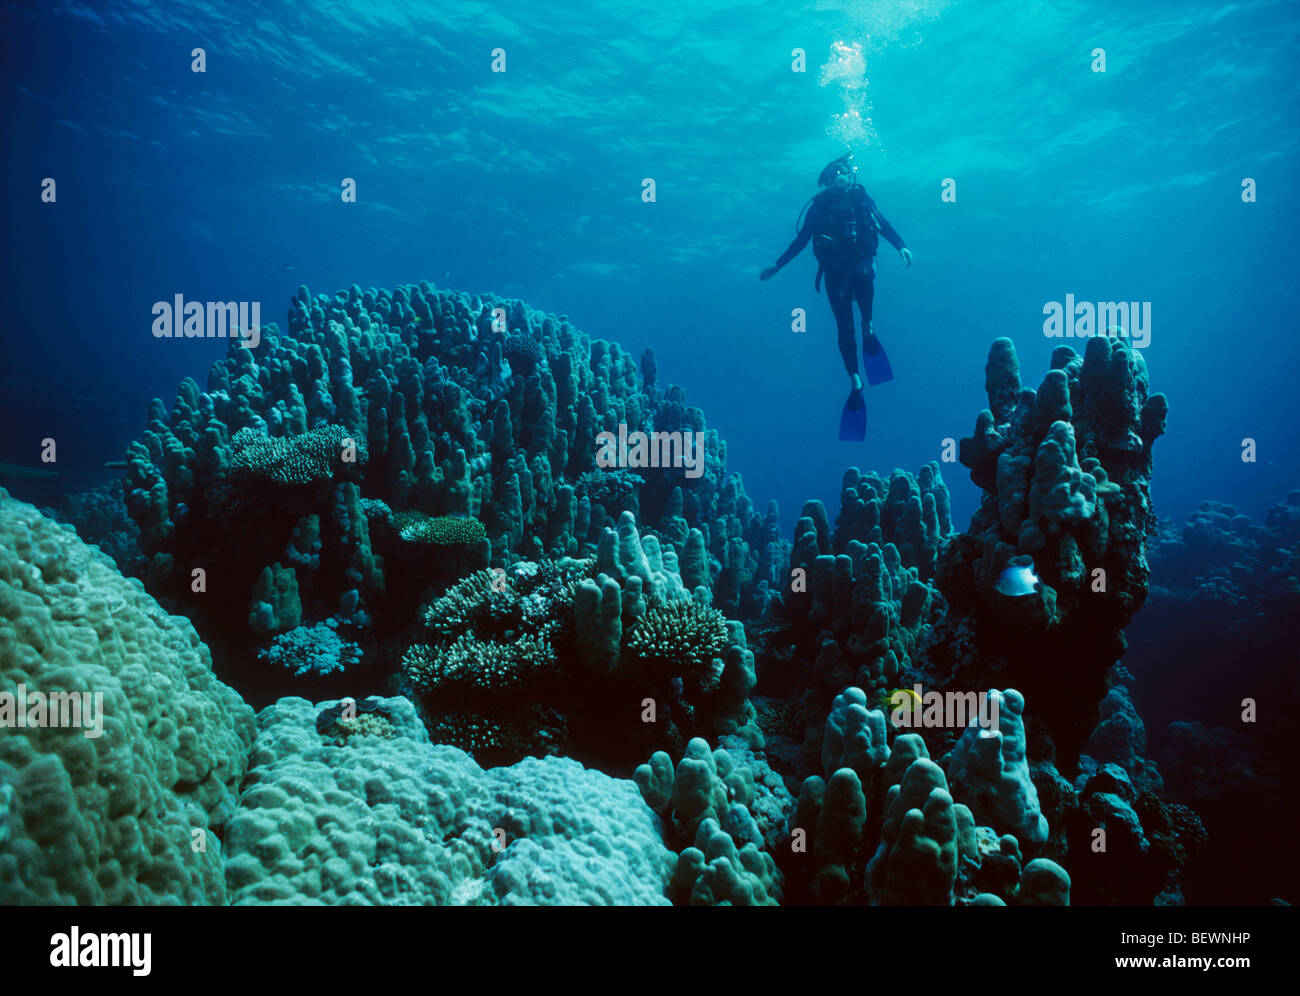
x: 1017, y: 580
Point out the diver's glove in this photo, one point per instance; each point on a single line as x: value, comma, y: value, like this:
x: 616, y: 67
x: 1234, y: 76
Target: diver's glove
x: 769, y: 273
x: 906, y: 253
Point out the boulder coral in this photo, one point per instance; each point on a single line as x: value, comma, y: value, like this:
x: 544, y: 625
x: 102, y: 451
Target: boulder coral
x: 387, y: 818
x: 135, y: 813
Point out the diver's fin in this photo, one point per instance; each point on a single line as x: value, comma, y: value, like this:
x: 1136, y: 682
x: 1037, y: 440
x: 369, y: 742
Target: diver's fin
x: 853, y: 420
x: 875, y: 362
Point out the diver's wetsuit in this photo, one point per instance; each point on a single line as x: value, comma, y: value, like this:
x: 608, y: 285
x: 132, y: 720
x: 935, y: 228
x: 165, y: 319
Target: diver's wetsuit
x: 845, y: 223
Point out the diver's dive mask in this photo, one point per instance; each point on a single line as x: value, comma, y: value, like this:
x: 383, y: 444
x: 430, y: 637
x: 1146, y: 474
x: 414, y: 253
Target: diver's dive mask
x: 840, y: 174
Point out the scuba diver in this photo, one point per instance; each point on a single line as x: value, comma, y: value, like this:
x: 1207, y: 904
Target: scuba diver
x: 843, y: 221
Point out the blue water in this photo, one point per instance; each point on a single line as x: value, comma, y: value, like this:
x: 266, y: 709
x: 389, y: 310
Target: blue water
x: 1123, y: 184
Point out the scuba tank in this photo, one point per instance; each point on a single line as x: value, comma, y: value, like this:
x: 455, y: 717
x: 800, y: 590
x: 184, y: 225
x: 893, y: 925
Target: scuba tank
x: 825, y: 246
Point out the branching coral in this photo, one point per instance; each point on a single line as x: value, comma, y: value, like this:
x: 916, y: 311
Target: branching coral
x: 302, y: 459
x: 493, y: 634
x: 316, y: 650
x: 529, y: 598
x: 681, y: 634
x: 442, y: 530
x: 478, y: 665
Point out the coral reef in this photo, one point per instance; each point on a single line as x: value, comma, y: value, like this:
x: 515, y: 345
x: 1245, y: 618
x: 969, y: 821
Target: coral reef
x: 406, y: 481
x: 1224, y: 589
x: 445, y: 409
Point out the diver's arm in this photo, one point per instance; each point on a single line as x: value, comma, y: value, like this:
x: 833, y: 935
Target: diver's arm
x: 795, y: 247
x: 887, y: 230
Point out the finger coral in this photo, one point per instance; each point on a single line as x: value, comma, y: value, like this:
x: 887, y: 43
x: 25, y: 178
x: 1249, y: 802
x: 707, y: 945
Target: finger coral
x: 1067, y: 474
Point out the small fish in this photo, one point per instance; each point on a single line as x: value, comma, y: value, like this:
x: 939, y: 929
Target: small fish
x: 19, y: 472
x: 900, y: 698
x: 1017, y: 580
x: 286, y: 267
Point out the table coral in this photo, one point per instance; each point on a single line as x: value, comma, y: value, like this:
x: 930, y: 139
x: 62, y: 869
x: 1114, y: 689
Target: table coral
x: 442, y: 530
x: 303, y: 459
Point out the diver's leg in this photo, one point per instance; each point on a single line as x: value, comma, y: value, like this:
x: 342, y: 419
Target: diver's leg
x: 839, y: 292
x: 874, y: 361
x: 864, y: 289
x: 853, y: 419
